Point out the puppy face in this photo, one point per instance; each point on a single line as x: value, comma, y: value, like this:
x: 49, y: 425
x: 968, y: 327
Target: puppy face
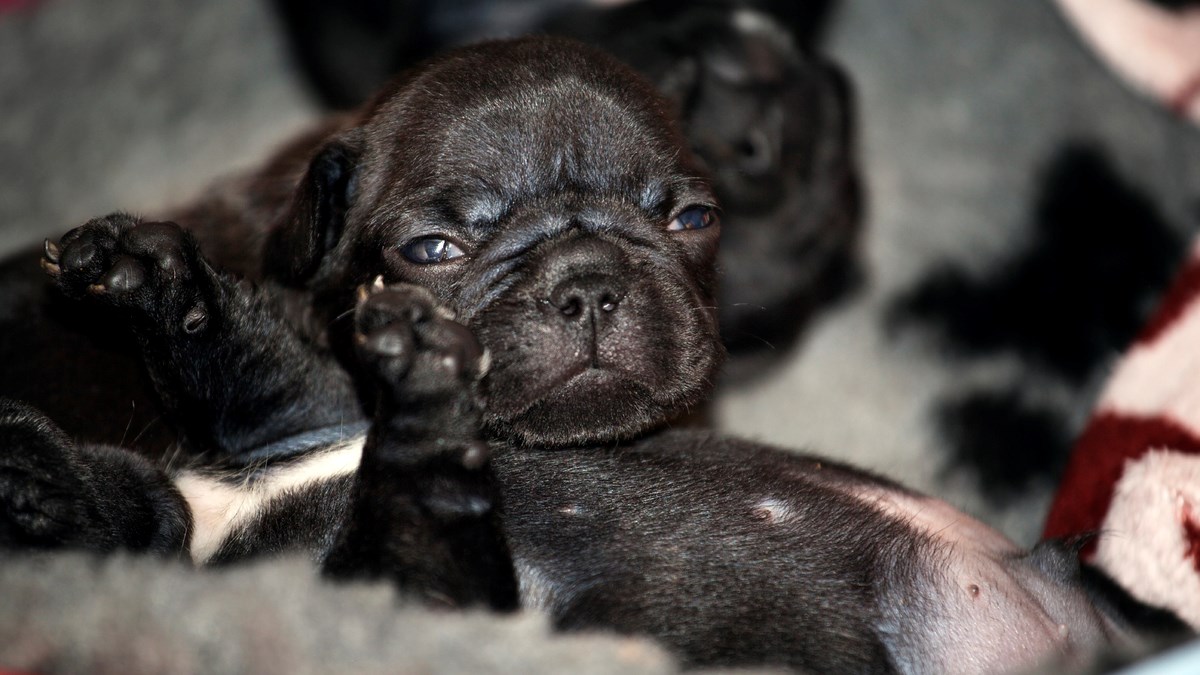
x: 539, y: 190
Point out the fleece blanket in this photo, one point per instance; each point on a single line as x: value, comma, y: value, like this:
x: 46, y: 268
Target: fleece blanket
x: 1155, y: 47
x: 128, y: 616
x: 1133, y: 479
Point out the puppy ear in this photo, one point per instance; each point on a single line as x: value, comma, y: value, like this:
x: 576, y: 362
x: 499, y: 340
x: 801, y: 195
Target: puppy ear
x: 314, y: 223
x: 678, y: 81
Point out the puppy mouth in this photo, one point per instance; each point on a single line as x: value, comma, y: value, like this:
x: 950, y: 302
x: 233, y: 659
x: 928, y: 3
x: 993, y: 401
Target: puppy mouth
x: 583, y: 405
x: 583, y: 381
x: 578, y: 392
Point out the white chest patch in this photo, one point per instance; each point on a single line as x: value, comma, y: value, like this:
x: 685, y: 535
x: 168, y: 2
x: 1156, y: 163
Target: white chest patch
x: 537, y: 591
x: 219, y: 506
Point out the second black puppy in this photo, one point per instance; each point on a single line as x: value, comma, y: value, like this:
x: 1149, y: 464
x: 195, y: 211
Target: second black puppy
x: 562, y: 245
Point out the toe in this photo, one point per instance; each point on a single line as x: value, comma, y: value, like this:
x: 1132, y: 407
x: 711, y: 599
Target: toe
x: 80, y: 253
x: 390, y: 342
x: 125, y: 275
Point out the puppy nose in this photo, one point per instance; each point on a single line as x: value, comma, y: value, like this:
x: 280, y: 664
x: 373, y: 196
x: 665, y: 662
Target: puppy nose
x: 588, y: 295
x: 757, y: 152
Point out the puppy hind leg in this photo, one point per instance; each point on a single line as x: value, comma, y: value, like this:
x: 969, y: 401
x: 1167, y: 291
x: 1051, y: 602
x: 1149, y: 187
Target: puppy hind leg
x: 423, y: 511
x: 56, y: 494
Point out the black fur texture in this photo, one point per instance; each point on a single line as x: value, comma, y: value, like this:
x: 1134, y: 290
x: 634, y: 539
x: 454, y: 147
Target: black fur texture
x: 57, y: 494
x: 773, y: 123
x: 423, y: 508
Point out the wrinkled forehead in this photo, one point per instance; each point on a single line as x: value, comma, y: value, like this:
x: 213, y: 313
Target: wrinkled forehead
x: 517, y: 141
x: 557, y: 134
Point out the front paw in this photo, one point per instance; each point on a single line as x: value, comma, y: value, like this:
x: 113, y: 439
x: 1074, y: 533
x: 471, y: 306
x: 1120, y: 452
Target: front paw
x: 425, y: 502
x: 413, y: 345
x: 152, y: 270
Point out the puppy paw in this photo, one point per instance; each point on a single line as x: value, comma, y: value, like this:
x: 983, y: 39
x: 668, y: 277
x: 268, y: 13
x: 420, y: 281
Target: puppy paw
x: 413, y: 345
x: 424, y: 510
x: 428, y: 418
x: 43, y: 501
x: 151, y: 270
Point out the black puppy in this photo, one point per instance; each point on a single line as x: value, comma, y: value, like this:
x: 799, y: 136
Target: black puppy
x: 563, y: 243
x: 771, y: 120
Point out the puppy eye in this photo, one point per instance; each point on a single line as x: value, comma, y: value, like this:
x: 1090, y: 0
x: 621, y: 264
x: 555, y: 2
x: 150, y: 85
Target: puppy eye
x: 430, y: 250
x: 694, y: 218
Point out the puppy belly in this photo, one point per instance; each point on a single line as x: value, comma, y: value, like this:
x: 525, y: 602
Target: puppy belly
x: 977, y: 603
x: 222, y: 504
x: 696, y: 538
x: 630, y: 538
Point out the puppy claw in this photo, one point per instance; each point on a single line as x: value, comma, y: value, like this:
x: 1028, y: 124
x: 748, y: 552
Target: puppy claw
x: 97, y: 289
x: 52, y: 252
x: 196, y: 320
x: 365, y: 291
x: 50, y: 268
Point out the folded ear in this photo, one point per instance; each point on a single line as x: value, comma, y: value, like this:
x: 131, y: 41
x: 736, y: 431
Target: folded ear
x: 678, y: 81
x: 314, y: 224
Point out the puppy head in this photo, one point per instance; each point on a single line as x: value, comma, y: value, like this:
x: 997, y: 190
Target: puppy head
x: 540, y: 190
x: 773, y: 124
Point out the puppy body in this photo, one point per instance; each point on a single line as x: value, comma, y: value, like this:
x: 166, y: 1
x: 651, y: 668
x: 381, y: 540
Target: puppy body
x: 729, y: 552
x: 548, y: 245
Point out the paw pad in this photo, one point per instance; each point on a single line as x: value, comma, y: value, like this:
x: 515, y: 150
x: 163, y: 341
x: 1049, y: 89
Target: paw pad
x: 152, y: 269
x: 412, y: 340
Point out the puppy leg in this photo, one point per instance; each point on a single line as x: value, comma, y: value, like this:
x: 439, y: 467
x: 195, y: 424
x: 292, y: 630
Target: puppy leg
x: 231, y: 372
x: 424, y: 507
x: 55, y: 494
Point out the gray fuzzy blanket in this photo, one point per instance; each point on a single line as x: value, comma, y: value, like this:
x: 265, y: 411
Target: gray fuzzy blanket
x: 77, y: 614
